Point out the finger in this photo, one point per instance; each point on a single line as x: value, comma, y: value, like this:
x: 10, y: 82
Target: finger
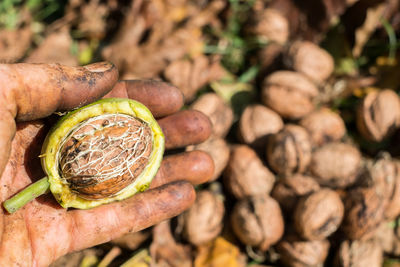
x: 34, y: 91
x: 184, y: 128
x: 161, y: 98
x: 196, y: 167
x: 104, y: 223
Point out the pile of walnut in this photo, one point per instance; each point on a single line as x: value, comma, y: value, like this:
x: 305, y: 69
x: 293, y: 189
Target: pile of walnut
x: 302, y: 189
x: 291, y: 187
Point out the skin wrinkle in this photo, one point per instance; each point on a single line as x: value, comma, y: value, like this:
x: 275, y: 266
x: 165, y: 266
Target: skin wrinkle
x: 28, y: 230
x: 28, y: 234
x: 112, y: 215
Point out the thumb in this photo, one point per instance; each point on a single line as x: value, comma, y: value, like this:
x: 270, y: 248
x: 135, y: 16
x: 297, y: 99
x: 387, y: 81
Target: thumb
x: 32, y: 91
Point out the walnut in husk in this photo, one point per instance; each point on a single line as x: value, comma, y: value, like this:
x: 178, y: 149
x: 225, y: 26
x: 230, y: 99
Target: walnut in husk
x: 289, y: 151
x: 289, y: 93
x: 336, y: 165
x: 245, y: 174
x: 378, y: 116
x: 311, y: 60
x: 288, y: 190
x: 364, y: 211
x: 257, y: 123
x: 103, y: 152
x: 359, y: 253
x: 324, y: 126
x: 220, y: 114
x: 219, y: 151
x: 203, y: 221
x: 296, y: 252
x: 257, y: 221
x: 318, y: 215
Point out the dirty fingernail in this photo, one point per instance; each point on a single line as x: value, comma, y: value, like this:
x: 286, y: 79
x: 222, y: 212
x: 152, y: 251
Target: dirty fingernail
x: 99, y: 67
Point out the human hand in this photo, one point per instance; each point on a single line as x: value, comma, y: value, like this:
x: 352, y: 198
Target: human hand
x: 42, y: 231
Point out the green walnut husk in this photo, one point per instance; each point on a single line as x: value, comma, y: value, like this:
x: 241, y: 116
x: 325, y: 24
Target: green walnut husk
x: 59, y: 186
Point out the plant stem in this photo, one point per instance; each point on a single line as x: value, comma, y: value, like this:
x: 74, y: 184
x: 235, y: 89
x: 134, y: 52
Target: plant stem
x: 28, y: 194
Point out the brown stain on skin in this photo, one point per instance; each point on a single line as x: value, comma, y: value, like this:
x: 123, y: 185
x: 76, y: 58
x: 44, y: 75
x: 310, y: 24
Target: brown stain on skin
x: 40, y: 89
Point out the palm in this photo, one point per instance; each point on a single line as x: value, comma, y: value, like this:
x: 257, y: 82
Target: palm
x: 43, y: 231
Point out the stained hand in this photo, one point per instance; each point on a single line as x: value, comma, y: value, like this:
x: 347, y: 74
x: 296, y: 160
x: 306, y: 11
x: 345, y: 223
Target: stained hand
x: 42, y: 231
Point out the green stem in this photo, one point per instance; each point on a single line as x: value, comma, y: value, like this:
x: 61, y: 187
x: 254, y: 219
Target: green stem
x: 28, y: 194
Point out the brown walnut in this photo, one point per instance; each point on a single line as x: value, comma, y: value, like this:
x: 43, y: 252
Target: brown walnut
x: 257, y: 221
x: 204, y: 220
x: 364, y: 211
x: 289, y: 151
x: 189, y: 75
x: 389, y: 237
x: 324, y: 126
x: 296, y: 252
x: 220, y: 114
x: 246, y: 175
x: 378, y: 116
x: 359, y: 253
x: 105, y: 154
x: 384, y: 176
x: 219, y: 151
x: 289, y: 93
x: 270, y: 25
x: 257, y: 123
x: 318, y: 215
x: 311, y: 60
x: 288, y: 190
x: 336, y: 165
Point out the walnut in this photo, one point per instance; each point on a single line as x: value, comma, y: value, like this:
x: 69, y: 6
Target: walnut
x: 384, y: 176
x: 359, y: 254
x: 389, y: 237
x: 257, y: 221
x: 336, y: 165
x: 295, y: 252
x: 364, y: 211
x: 378, y: 116
x: 318, y: 215
x: 311, y: 60
x: 246, y: 175
x: 289, y: 93
x: 324, y: 126
x: 189, y: 75
x: 219, y: 151
x: 289, y: 151
x: 257, y: 123
x: 271, y: 25
x: 93, y: 158
x: 204, y: 220
x: 288, y: 190
x: 220, y: 114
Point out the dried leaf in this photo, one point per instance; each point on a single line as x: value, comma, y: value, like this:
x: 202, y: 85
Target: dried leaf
x: 165, y: 251
x: 14, y: 44
x: 219, y: 253
x: 140, y: 259
x: 372, y: 21
x: 56, y: 48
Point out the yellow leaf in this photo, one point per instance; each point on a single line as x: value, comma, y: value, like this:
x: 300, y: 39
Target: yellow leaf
x: 140, y: 259
x: 218, y: 253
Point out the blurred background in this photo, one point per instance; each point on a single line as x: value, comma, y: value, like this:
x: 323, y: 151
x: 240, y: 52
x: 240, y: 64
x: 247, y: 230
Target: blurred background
x: 303, y: 97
